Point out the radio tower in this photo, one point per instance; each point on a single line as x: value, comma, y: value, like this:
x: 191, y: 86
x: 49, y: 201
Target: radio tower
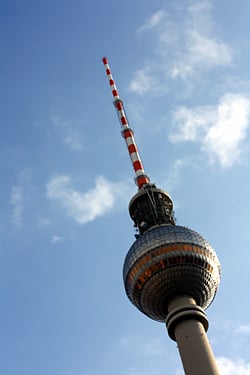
x: 171, y: 273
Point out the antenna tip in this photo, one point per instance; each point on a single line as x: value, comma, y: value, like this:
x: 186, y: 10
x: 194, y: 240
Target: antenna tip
x: 104, y: 60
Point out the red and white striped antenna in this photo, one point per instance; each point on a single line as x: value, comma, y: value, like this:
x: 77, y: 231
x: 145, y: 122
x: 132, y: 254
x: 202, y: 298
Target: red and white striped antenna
x: 141, y: 178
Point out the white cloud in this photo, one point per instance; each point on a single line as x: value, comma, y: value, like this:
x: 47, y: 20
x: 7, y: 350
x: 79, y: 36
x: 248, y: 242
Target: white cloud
x: 67, y: 134
x: 56, y: 239
x: 146, y: 355
x: 182, y: 49
x: 200, y: 52
x: 17, y: 203
x: 84, y: 207
x: 154, y: 20
x: 17, y: 195
x: 44, y: 222
x: 144, y: 81
x: 191, y: 123
x: 174, y: 173
x: 200, y: 48
x: 72, y: 140
x: 224, y: 138
x: 228, y: 366
x: 151, y: 354
x: 220, y: 130
x: 244, y: 328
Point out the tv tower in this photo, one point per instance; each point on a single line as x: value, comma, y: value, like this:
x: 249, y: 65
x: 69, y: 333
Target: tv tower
x: 171, y: 273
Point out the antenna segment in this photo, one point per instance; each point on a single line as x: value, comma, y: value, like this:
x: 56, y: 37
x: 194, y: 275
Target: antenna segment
x: 141, y: 178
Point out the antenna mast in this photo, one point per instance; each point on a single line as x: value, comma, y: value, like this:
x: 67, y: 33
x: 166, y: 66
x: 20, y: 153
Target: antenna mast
x: 141, y: 178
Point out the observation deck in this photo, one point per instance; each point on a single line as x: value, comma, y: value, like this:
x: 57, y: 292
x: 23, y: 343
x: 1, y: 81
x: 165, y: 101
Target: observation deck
x: 166, y: 262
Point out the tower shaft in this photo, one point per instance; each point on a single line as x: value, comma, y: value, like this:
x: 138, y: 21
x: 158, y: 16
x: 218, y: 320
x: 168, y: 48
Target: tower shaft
x: 187, y: 325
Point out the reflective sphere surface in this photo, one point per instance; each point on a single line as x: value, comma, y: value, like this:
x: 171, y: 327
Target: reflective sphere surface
x: 166, y: 262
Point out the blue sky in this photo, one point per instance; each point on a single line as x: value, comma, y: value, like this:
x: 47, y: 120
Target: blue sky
x: 182, y: 69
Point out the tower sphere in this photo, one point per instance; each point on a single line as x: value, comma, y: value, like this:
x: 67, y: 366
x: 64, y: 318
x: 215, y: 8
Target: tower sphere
x: 168, y: 261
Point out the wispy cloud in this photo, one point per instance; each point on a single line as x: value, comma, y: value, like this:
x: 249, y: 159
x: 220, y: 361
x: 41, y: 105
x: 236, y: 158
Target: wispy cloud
x: 173, y: 175
x: 44, y: 222
x: 55, y: 239
x: 200, y: 49
x: 67, y: 133
x: 154, y: 20
x: 17, y: 195
x: 151, y: 354
x: 17, y: 203
x: 244, y: 328
x: 229, y: 366
x: 220, y: 129
x: 182, y: 49
x: 85, y: 206
x: 200, y: 52
x: 144, y: 81
x: 191, y: 124
x: 149, y: 357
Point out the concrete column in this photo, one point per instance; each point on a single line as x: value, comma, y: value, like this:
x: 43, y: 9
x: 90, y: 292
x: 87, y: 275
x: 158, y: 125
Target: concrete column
x: 187, y: 325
